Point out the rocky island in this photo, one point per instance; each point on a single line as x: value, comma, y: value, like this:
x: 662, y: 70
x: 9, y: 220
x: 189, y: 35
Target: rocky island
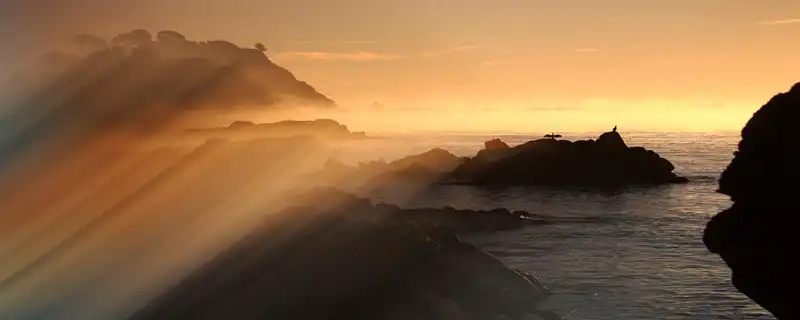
x: 757, y: 236
x: 603, y: 163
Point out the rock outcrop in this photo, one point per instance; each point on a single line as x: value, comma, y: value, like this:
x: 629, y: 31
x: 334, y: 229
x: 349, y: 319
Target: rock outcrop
x: 321, y: 128
x: 138, y: 83
x: 346, y: 262
x: 170, y: 70
x: 495, y: 144
x: 607, y: 162
x: 757, y: 236
x: 428, y: 167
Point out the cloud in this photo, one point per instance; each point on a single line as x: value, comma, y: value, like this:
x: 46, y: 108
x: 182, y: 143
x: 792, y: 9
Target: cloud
x: 777, y: 22
x: 346, y: 56
x: 437, y: 53
x: 586, y: 50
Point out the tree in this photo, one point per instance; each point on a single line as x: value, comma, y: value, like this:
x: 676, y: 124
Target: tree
x: 261, y: 47
x: 169, y: 35
x: 89, y: 42
x: 134, y: 38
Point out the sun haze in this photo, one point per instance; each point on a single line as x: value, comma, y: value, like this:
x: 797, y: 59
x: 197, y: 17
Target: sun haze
x: 680, y: 65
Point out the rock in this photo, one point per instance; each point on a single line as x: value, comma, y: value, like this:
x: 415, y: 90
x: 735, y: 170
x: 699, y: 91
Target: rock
x: 495, y: 144
x: 322, y: 128
x: 241, y: 124
x: 611, y: 140
x: 427, y: 167
x: 336, y: 263
x: 436, y: 159
x: 607, y: 162
x: 494, y: 150
x: 757, y: 236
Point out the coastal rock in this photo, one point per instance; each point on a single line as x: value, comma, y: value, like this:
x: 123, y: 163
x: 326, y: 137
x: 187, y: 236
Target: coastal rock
x: 495, y: 144
x: 611, y: 140
x: 427, y: 167
x: 351, y: 263
x: 494, y: 150
x: 138, y: 83
x: 757, y: 236
x: 436, y: 159
x: 607, y: 162
x: 455, y: 220
x: 241, y: 124
x: 322, y: 128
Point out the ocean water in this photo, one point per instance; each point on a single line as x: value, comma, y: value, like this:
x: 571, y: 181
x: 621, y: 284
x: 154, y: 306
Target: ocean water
x: 644, y: 260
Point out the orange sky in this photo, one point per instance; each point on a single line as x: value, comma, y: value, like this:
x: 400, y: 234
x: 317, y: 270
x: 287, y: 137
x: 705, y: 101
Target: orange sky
x: 647, y: 64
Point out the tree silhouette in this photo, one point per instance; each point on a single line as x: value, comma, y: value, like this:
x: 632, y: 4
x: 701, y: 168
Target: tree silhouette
x: 261, y: 47
x: 169, y: 35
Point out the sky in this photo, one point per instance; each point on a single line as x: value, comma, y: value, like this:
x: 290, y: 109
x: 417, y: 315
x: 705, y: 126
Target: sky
x: 657, y: 64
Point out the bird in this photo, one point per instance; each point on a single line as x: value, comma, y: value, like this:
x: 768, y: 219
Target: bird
x: 552, y: 136
x: 615, y: 129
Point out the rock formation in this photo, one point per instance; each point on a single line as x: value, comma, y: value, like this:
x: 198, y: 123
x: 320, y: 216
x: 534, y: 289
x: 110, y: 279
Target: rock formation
x: 334, y: 262
x: 170, y: 70
x: 757, y: 236
x: 321, y: 128
x: 495, y: 144
x: 607, y: 162
x: 141, y: 84
x: 428, y: 167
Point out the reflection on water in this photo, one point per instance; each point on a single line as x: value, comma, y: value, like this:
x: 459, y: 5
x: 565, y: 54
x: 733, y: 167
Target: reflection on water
x: 644, y: 260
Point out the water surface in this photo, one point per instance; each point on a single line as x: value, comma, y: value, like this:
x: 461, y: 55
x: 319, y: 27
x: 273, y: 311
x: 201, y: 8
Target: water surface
x: 644, y: 260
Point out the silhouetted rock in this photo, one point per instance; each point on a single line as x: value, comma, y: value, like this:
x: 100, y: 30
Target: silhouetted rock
x: 436, y: 159
x: 241, y: 124
x: 427, y: 167
x: 611, y: 140
x: 139, y: 85
x: 757, y: 237
x: 607, y: 162
x: 493, y: 150
x: 347, y: 259
x: 495, y: 144
x: 171, y: 72
x: 322, y: 128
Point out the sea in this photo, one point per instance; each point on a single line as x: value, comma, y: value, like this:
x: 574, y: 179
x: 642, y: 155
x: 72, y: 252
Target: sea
x: 645, y: 259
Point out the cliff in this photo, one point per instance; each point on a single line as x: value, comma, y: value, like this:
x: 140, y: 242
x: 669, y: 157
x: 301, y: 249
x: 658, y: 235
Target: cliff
x: 757, y: 236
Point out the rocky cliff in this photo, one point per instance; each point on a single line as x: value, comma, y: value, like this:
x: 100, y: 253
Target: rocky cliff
x: 757, y: 236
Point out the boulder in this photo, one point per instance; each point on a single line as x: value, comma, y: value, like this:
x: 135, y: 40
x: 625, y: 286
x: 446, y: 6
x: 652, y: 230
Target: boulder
x: 334, y: 262
x: 607, y: 162
x: 757, y: 236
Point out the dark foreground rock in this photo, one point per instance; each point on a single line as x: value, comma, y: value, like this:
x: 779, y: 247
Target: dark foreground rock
x: 337, y: 262
x: 757, y: 237
x: 459, y: 221
x: 607, y: 162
